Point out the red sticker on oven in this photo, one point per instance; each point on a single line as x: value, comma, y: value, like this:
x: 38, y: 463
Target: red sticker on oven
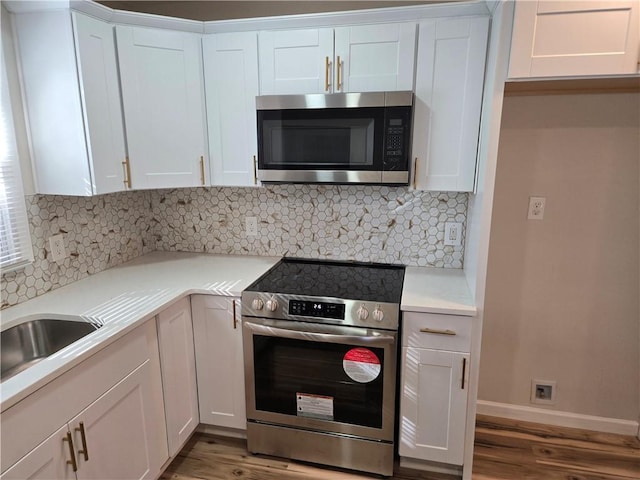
x: 361, y: 365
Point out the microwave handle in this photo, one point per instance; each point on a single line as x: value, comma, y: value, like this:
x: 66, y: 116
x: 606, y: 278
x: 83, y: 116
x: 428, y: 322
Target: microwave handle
x: 303, y: 334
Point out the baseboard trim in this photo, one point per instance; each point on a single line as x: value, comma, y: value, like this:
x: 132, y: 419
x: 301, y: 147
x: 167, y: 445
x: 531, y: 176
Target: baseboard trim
x: 558, y: 418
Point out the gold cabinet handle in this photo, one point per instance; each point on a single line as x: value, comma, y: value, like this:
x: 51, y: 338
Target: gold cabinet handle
x: 464, y: 370
x: 415, y: 172
x: 255, y: 170
x: 327, y: 63
x: 202, y: 170
x: 338, y: 68
x: 235, y: 320
x: 71, y: 462
x: 85, y: 450
x: 127, y: 172
x: 437, y: 332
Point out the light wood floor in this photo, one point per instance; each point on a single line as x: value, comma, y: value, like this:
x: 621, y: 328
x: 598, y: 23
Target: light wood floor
x: 504, y: 450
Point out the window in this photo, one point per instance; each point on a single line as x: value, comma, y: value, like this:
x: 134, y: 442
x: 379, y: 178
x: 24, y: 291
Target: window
x: 15, y: 242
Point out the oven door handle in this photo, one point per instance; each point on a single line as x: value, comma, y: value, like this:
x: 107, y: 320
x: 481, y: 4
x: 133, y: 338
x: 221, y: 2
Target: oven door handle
x: 319, y: 337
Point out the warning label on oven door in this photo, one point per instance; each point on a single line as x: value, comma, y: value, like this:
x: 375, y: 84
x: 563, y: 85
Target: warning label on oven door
x: 314, y: 406
x: 361, y: 364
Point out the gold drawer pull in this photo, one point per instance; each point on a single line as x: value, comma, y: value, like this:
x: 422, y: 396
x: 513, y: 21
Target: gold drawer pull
x: 437, y: 332
x: 327, y: 63
x: 235, y: 318
x: 127, y: 172
x: 464, y: 371
x: 255, y: 170
x: 71, y: 462
x: 85, y: 450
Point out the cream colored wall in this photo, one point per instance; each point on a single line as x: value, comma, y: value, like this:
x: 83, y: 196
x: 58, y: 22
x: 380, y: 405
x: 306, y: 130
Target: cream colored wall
x: 562, y: 293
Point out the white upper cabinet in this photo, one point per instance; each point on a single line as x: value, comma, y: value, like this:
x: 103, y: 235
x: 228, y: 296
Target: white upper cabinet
x: 296, y: 61
x: 365, y: 58
x: 72, y: 99
x: 231, y: 86
x: 163, y: 96
x: 100, y: 91
x: 578, y: 38
x: 373, y: 58
x: 448, y: 101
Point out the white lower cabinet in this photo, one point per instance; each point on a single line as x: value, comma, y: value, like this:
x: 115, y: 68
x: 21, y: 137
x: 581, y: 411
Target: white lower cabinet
x: 177, y: 359
x: 219, y: 362
x: 117, y: 434
x: 48, y: 460
x: 434, y: 388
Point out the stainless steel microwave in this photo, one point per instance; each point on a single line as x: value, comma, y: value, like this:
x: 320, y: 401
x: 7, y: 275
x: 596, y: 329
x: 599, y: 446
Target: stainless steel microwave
x: 335, y: 138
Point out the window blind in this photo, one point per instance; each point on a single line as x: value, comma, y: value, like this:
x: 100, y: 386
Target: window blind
x: 15, y: 241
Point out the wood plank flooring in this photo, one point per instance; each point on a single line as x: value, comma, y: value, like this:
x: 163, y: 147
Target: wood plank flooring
x: 504, y: 450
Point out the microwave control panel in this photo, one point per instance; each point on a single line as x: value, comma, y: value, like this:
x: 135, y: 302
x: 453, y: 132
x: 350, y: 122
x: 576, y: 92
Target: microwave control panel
x: 396, y: 140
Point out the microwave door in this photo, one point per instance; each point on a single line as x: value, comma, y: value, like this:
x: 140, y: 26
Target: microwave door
x: 335, y: 145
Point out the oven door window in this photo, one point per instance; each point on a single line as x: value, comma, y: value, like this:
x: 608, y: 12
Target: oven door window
x: 327, y: 139
x: 305, y: 378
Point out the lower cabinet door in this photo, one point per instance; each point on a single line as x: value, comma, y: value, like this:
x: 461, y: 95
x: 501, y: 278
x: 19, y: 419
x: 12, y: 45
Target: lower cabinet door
x: 177, y: 360
x: 219, y: 362
x: 433, y: 405
x: 122, y: 435
x: 45, y: 462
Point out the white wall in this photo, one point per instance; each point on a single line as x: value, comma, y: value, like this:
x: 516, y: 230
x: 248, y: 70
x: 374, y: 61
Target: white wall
x: 562, y: 293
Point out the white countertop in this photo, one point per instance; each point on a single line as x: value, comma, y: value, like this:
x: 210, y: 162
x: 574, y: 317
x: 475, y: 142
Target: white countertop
x: 128, y: 295
x: 122, y: 298
x: 436, y: 290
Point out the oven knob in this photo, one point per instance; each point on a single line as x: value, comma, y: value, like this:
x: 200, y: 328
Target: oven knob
x: 272, y: 305
x: 378, y: 315
x: 363, y: 313
x: 257, y: 304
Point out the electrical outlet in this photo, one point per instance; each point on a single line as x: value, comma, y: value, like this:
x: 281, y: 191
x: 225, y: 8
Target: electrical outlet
x: 543, y: 392
x: 251, y: 226
x: 536, y: 208
x: 453, y: 233
x: 58, y: 252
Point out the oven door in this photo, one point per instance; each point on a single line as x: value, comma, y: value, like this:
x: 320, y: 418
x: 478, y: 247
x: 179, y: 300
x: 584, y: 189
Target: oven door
x: 320, y: 377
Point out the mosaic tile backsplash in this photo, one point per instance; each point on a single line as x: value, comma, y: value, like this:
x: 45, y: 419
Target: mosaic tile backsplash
x: 367, y: 223
x: 99, y: 232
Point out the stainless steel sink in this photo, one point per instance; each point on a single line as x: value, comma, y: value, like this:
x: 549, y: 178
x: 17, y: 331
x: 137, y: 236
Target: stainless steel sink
x: 26, y: 344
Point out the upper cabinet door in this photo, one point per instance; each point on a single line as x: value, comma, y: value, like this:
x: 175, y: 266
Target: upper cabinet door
x: 100, y: 92
x: 296, y: 61
x: 54, y: 110
x: 374, y: 58
x: 163, y: 96
x: 448, y: 100
x: 231, y: 85
x: 578, y: 38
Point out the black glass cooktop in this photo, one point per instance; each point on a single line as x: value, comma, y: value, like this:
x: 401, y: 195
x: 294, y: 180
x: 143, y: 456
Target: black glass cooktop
x: 371, y: 282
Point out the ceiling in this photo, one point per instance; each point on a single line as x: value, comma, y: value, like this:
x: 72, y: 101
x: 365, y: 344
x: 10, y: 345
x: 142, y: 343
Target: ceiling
x: 228, y: 9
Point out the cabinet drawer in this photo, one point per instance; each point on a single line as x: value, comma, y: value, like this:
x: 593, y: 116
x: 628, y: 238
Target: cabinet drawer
x: 436, y: 331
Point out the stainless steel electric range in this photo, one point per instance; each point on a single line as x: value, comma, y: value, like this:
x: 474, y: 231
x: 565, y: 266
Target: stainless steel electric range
x: 320, y: 350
